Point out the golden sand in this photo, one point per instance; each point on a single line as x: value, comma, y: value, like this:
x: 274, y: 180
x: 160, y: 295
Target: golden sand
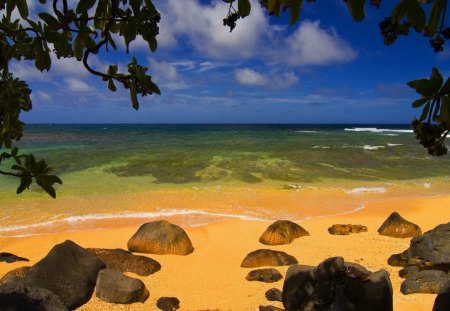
x: 211, y: 277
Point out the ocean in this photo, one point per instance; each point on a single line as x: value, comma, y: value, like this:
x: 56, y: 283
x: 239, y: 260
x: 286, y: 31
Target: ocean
x: 200, y: 173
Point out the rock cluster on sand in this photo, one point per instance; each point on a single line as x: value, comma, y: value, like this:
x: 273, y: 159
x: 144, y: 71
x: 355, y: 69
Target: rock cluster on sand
x: 430, y: 254
x: 282, y: 232
x: 269, y: 275
x: 14, y: 275
x: 160, y: 237
x: 339, y: 229
x: 398, y: 227
x: 123, y: 261
x: 267, y: 257
x: 115, y: 287
x: 336, y: 285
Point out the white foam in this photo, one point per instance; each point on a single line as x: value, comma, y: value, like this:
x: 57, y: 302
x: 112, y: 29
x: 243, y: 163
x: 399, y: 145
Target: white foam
x: 366, y: 190
x: 427, y: 185
x: 394, y: 145
x: 308, y: 132
x: 126, y: 215
x: 321, y: 147
x: 375, y: 130
x: 369, y: 147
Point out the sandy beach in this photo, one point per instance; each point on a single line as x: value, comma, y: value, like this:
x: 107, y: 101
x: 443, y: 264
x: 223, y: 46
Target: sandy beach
x: 211, y: 277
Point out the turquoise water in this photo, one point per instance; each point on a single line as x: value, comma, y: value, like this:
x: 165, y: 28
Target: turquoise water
x: 178, y: 154
x: 105, y: 160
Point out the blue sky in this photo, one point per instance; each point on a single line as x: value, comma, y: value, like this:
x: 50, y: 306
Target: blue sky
x: 325, y: 69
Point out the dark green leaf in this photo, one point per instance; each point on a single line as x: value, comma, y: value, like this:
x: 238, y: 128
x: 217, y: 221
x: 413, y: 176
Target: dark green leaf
x: 23, y: 8
x: 435, y: 17
x: 244, y: 7
x: 436, y: 80
x: 78, y: 47
x: 84, y: 5
x: 111, y: 85
x: 422, y: 86
x: 49, y: 20
x: 296, y: 7
x: 133, y: 96
x: 52, y: 179
x: 400, y: 10
x: 446, y: 88
x: 274, y: 7
x: 425, y: 111
x: 356, y: 9
x: 419, y: 102
x: 416, y: 15
x: 25, y: 182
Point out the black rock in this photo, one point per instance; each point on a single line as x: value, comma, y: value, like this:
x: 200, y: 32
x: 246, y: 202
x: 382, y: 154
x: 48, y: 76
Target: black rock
x: 9, y: 258
x: 425, y: 281
x: 168, y: 303
x: 336, y: 285
x: 274, y: 294
x: 15, y: 296
x: 115, y: 287
x: 442, y: 302
x: 399, y: 260
x: 124, y: 261
x: 69, y: 271
x: 408, y: 271
x: 264, y: 275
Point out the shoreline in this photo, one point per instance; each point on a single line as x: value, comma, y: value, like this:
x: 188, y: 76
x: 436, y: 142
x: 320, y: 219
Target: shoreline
x: 211, y: 277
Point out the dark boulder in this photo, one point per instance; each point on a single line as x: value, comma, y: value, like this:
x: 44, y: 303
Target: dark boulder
x: 15, y: 296
x: 339, y: 229
x: 398, y: 227
x: 432, y: 249
x: 115, y: 287
x: 408, y: 271
x: 123, y: 261
x: 264, y: 275
x: 15, y: 275
x: 399, y: 260
x: 274, y: 294
x: 267, y: 257
x: 442, y: 302
x: 282, y: 232
x: 69, y: 271
x: 9, y: 258
x: 425, y: 281
x: 336, y: 285
x: 160, y: 237
x: 168, y: 303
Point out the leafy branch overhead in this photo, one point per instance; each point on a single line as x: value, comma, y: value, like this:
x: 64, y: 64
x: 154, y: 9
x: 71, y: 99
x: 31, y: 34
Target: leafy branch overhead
x: 424, y: 16
x: 90, y: 27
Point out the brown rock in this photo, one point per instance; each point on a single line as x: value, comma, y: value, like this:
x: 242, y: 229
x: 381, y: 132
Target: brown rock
x: 123, y: 261
x: 274, y: 294
x: 168, y: 303
x: 264, y: 275
x: 398, y: 227
x: 15, y: 274
x: 267, y: 257
x: 346, y: 229
x: 160, y: 237
x: 282, y: 232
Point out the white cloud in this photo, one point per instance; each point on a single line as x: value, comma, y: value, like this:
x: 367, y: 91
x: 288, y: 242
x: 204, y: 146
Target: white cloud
x: 312, y: 45
x: 77, y: 85
x: 41, y: 95
x: 203, y: 26
x: 166, y: 75
x: 249, y: 76
x: 276, y: 81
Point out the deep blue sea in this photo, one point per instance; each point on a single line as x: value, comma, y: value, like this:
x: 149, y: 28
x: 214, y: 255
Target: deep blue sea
x: 126, y: 160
